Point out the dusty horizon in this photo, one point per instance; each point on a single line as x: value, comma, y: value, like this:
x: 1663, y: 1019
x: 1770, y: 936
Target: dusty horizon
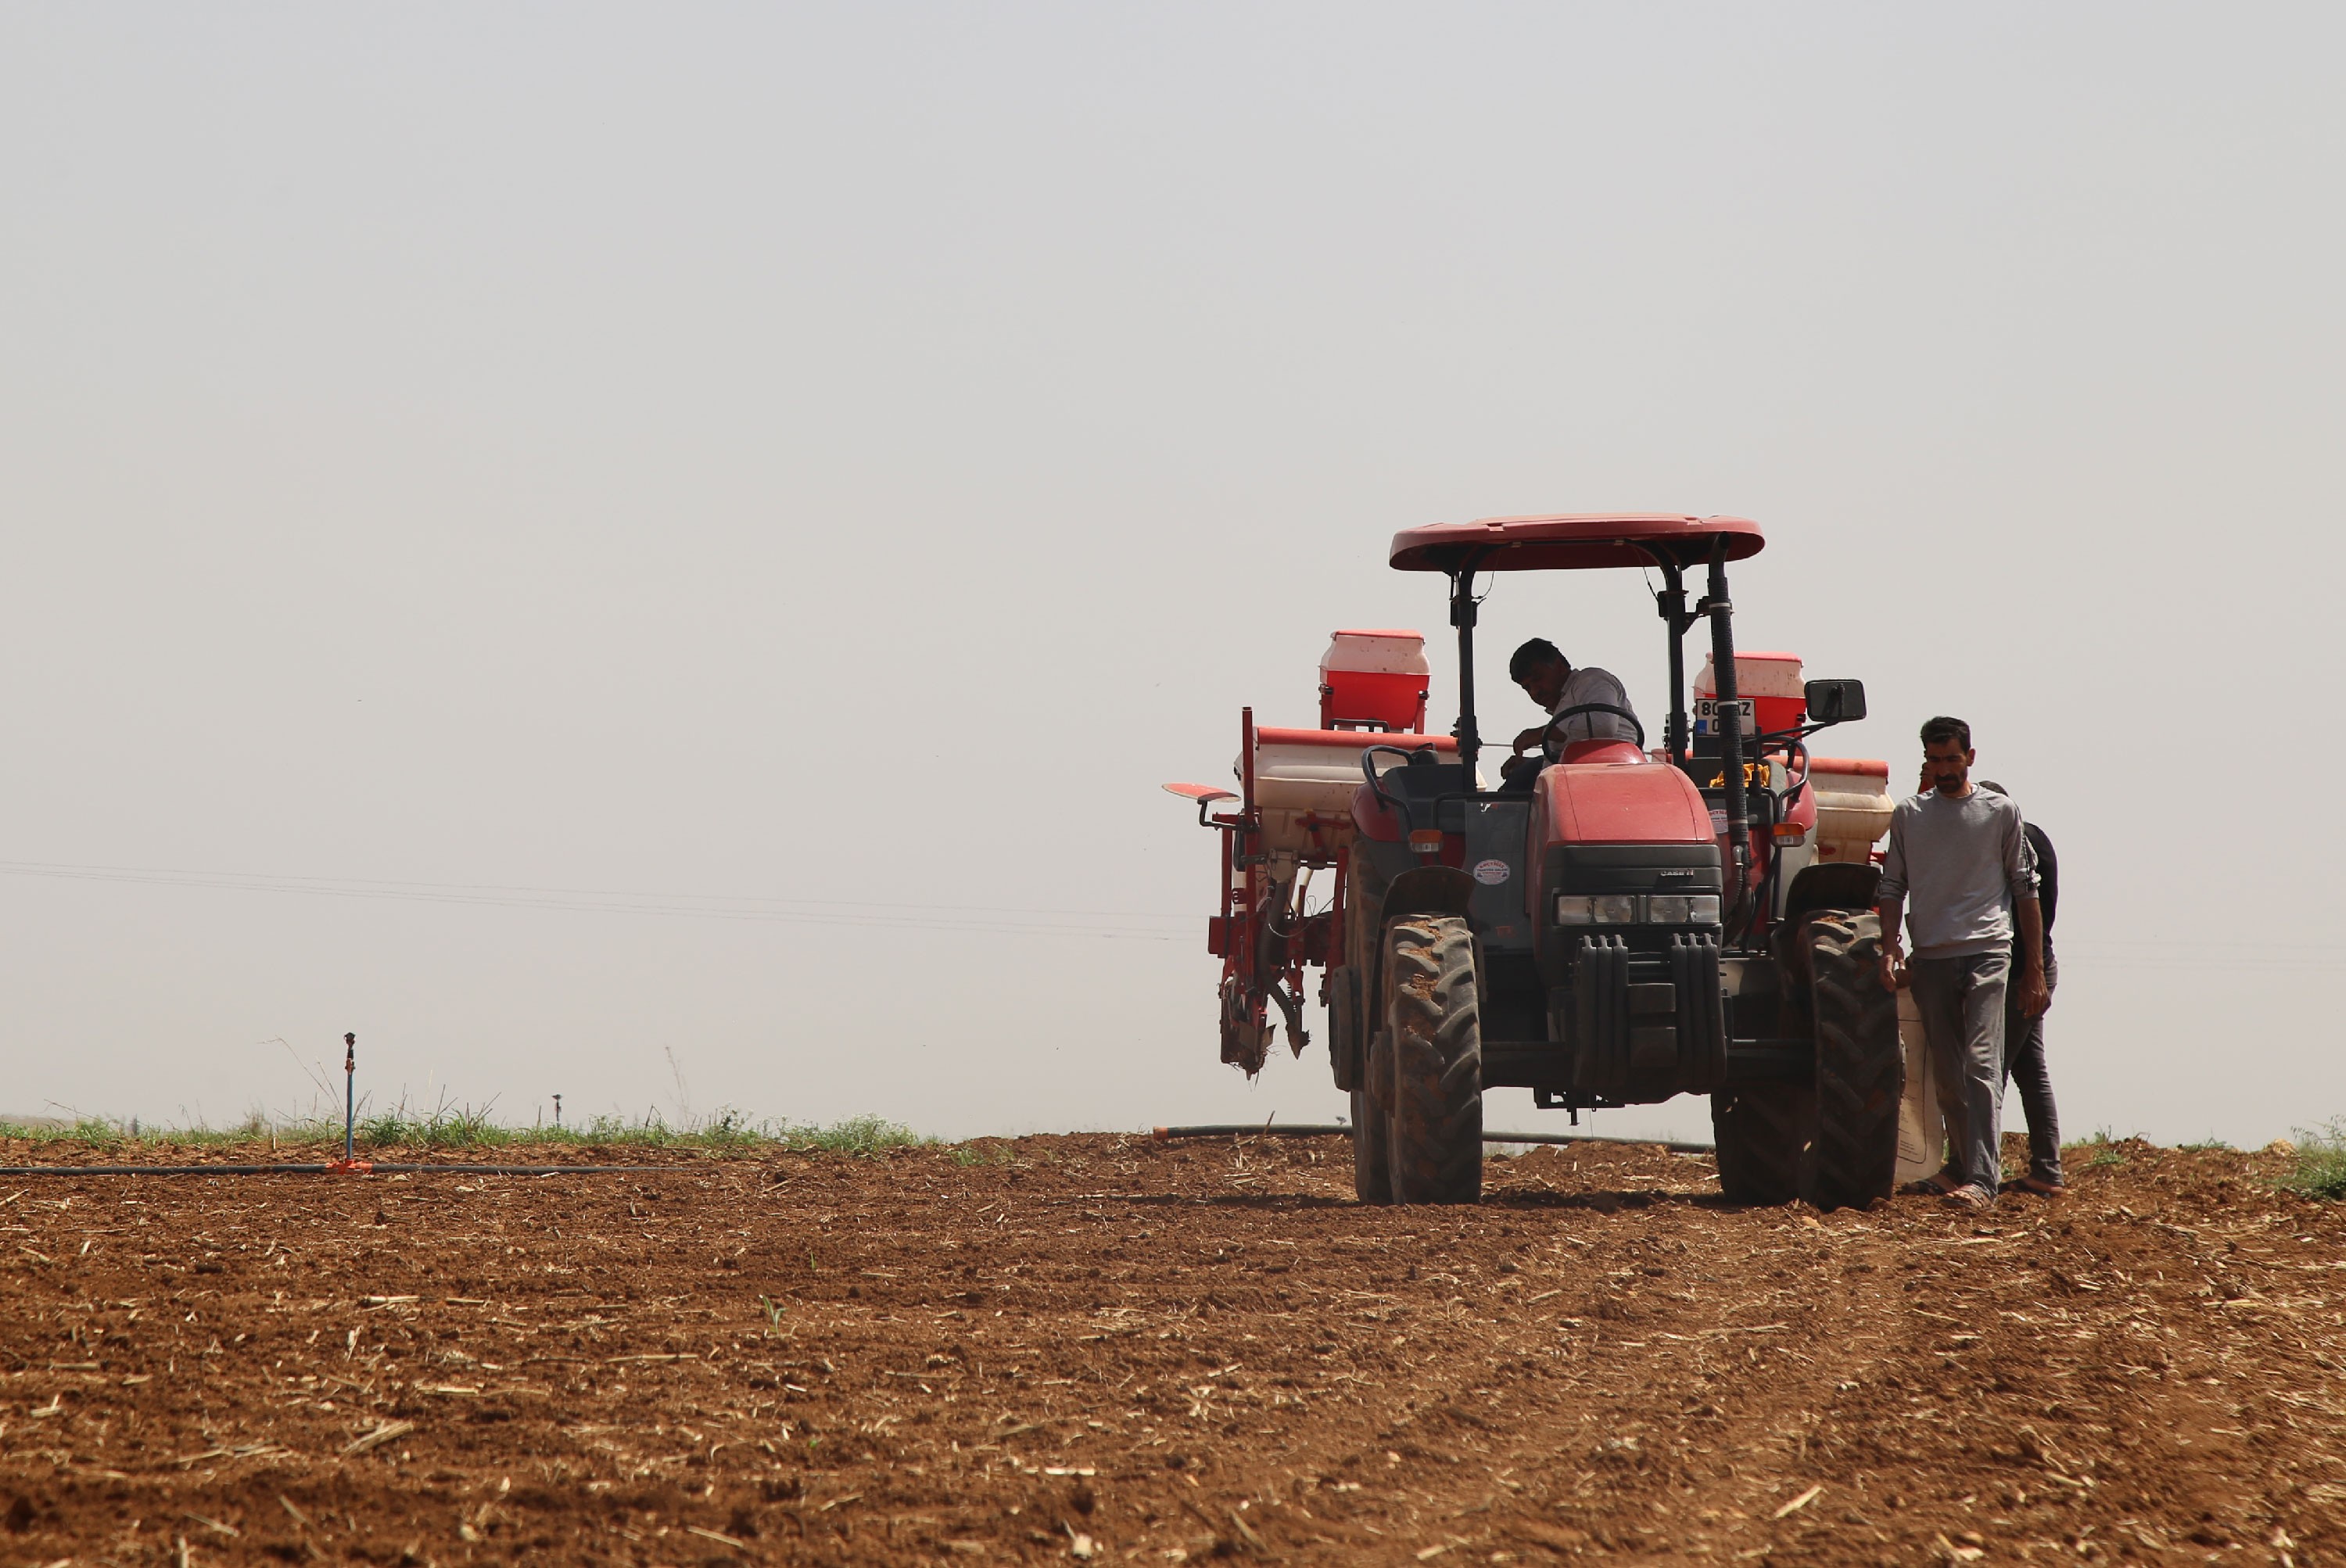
x: 550, y: 542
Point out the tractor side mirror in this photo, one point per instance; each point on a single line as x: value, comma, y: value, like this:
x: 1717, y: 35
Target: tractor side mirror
x: 1835, y: 701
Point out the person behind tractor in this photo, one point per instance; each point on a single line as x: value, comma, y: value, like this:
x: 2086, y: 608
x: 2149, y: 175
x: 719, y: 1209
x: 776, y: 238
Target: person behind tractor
x: 2023, y: 1036
x: 1548, y: 678
x: 1962, y: 856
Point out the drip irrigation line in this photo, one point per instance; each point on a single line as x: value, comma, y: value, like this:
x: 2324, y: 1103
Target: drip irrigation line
x: 1338, y: 1130
x: 361, y: 1168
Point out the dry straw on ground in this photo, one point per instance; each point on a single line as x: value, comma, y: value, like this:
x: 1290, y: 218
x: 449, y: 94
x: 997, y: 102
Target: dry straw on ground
x: 1101, y: 1348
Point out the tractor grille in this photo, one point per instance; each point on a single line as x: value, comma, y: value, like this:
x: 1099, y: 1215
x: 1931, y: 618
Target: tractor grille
x: 1644, y: 1024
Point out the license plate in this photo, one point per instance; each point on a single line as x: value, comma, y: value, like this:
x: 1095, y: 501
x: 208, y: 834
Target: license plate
x: 1705, y: 715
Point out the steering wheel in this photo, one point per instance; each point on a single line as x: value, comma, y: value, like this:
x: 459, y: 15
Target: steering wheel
x: 1419, y: 755
x: 1548, y: 733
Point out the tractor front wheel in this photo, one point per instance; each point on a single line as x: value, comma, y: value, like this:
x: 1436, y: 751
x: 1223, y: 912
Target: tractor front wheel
x: 1437, y: 1094
x: 1832, y: 1142
x: 1861, y: 1067
x: 1763, y: 1133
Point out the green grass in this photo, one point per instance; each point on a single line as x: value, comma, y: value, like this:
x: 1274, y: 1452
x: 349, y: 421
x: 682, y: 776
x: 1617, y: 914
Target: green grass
x: 454, y: 1126
x: 2321, y: 1169
x: 2101, y: 1149
x: 862, y: 1136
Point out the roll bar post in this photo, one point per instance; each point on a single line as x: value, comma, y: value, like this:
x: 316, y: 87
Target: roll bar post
x: 1462, y: 615
x: 1670, y: 601
x: 1721, y: 611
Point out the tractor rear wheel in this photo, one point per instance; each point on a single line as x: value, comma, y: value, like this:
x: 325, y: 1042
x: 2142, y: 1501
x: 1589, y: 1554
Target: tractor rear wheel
x: 1347, y: 1052
x: 1435, y: 1097
x: 1860, y: 1068
x: 1371, y: 1164
x: 1763, y: 1133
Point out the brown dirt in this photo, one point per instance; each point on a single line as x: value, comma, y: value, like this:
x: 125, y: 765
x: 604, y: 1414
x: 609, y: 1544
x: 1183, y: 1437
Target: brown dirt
x: 1154, y: 1353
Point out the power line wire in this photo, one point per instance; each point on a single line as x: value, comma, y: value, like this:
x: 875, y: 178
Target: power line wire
x: 1123, y: 924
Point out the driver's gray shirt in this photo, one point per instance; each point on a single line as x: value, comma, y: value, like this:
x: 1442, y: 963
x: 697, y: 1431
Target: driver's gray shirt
x: 1593, y: 685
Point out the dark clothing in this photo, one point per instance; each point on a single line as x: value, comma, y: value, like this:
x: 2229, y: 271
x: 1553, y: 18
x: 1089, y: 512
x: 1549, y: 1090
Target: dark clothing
x: 2024, y: 1038
x: 2048, y: 886
x: 2024, y: 1065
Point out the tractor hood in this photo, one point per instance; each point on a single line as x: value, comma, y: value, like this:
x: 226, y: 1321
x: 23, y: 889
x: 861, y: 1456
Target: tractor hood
x: 1607, y: 803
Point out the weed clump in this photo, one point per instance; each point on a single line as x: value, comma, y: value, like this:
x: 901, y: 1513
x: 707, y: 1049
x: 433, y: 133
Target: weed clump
x: 862, y: 1136
x: 2101, y: 1149
x: 2321, y: 1169
x: 449, y: 1125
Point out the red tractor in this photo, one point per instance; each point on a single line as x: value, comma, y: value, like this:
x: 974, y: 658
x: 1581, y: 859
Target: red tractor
x: 1640, y: 924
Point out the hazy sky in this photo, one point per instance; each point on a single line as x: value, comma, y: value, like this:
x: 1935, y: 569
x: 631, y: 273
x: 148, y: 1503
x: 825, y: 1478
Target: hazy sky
x: 803, y: 475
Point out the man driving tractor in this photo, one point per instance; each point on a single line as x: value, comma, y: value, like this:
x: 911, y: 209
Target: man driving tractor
x: 1548, y: 678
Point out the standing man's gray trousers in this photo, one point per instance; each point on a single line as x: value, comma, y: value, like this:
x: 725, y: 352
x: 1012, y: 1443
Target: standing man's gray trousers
x: 1961, y: 1001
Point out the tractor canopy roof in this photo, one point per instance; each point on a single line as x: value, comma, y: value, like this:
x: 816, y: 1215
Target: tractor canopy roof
x: 1572, y: 540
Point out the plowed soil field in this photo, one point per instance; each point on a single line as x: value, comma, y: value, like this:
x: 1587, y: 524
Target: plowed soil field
x: 1104, y: 1349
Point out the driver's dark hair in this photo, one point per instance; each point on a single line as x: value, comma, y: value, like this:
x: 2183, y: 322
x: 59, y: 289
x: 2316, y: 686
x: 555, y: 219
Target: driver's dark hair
x: 1935, y: 730
x: 1530, y: 655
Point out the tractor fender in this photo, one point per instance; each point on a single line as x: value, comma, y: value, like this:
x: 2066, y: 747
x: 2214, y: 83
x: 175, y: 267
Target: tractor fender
x: 1428, y: 890
x: 1848, y: 886
x: 1832, y: 885
x: 1420, y: 891
x: 1375, y: 819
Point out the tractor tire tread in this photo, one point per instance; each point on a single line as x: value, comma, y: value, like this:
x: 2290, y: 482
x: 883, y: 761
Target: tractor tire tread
x: 1860, y: 1068
x: 1761, y: 1135
x: 1435, y: 1145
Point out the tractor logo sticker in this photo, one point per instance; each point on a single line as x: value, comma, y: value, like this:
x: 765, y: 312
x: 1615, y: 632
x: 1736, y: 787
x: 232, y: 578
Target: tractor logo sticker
x: 1491, y: 873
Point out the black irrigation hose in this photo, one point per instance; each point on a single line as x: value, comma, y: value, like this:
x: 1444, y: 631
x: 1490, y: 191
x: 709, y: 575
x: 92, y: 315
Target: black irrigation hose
x: 1291, y: 1130
x: 1338, y: 1130
x: 378, y: 1169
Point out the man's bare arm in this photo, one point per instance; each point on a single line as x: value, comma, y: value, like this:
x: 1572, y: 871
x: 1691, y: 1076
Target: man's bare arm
x: 1894, y: 974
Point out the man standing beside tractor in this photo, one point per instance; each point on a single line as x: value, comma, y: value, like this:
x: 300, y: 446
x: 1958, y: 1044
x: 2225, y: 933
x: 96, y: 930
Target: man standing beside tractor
x: 1962, y: 855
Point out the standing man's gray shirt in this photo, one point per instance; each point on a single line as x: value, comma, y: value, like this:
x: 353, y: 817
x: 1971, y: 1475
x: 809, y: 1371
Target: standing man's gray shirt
x: 1971, y: 863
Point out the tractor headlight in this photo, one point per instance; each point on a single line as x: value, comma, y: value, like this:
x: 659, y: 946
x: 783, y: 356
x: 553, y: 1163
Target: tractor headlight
x: 1703, y: 909
x: 1615, y: 908
x: 1571, y: 911
x: 1667, y: 909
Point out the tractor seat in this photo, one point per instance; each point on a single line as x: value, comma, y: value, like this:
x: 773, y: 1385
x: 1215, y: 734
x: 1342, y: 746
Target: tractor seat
x: 1318, y: 770
x: 1416, y: 788
x: 1420, y: 782
x: 1601, y: 752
